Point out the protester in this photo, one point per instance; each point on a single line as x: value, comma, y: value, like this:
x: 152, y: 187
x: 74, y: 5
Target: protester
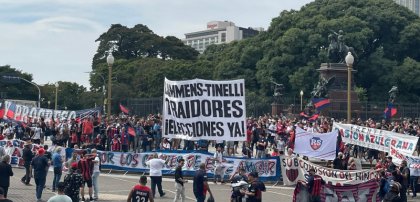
x: 72, y: 160
x: 140, y: 192
x: 58, y: 167
x: 95, y: 175
x: 314, y: 186
x: 156, y: 165
x: 179, y: 182
x: 414, y: 178
x: 40, y: 165
x: 5, y: 173
x: 405, y: 173
x: 27, y: 160
x: 255, y: 189
x: 338, y: 162
x: 218, y: 165
x: 261, y: 146
x: 393, y: 194
x: 61, y: 196
x: 73, y: 181
x: 85, y: 166
x: 200, y: 185
x: 391, y: 166
x: 2, y: 197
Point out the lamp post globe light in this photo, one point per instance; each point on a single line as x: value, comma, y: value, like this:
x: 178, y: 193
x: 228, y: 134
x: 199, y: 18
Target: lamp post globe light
x: 349, y: 62
x: 110, y: 61
x: 56, y: 95
x: 301, y: 99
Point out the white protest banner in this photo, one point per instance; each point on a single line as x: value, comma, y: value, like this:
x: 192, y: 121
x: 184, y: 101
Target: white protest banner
x: 398, y: 157
x: 201, y: 109
x: 23, y: 113
x: 268, y: 168
x: 294, y: 169
x: 316, y: 145
x: 366, y: 191
x: 375, y: 138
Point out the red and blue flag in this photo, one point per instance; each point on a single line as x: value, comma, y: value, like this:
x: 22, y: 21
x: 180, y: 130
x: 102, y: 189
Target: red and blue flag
x: 390, y: 111
x: 320, y: 103
x: 124, y: 109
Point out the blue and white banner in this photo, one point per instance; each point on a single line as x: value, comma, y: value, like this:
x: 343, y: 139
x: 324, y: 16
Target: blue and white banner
x: 316, y: 145
x: 26, y: 114
x: 267, y: 168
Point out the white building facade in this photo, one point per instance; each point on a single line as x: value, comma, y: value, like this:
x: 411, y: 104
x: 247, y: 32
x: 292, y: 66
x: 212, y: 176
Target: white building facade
x: 218, y: 32
x: 413, y: 5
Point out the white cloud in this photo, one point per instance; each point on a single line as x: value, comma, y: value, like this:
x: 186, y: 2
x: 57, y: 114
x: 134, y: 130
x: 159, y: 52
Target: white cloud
x: 55, y: 39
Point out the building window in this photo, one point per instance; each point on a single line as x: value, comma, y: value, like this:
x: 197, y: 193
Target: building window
x: 223, y: 38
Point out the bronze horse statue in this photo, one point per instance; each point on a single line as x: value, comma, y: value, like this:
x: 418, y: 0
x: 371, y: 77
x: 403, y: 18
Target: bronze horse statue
x: 337, y: 50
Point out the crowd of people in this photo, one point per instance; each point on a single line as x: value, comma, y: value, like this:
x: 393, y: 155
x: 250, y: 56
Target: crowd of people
x: 265, y: 136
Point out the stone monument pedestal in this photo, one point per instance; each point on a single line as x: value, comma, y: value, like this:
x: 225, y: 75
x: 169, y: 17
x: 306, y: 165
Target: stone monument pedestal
x: 338, y: 90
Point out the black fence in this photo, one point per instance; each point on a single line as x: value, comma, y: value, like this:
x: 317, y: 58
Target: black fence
x: 291, y: 105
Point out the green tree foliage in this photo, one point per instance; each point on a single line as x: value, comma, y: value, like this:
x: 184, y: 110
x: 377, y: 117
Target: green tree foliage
x: 15, y: 89
x: 385, y: 36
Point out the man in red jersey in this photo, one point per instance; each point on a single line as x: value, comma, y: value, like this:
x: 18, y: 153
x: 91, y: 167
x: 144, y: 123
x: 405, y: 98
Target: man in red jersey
x: 140, y: 192
x: 85, y: 166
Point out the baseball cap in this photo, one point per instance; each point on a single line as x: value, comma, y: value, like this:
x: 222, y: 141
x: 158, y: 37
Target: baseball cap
x: 74, y: 165
x: 41, y: 151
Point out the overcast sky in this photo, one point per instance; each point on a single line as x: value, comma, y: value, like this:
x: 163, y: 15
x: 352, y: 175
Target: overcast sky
x: 54, y: 40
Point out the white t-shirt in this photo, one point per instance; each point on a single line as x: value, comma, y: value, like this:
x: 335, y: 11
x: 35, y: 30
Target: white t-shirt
x: 156, y: 166
x: 96, y: 165
x: 60, y: 198
x: 414, y: 172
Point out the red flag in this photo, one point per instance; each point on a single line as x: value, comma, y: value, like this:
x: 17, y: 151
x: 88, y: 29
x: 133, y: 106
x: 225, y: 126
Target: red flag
x: 131, y: 131
x: 124, y: 109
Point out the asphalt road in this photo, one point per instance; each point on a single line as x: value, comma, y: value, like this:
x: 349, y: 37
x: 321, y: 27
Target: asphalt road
x: 115, y: 187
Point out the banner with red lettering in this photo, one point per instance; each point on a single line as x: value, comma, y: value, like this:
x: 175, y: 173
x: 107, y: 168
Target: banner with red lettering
x: 267, y: 168
x: 375, y: 138
x: 361, y: 192
x: 294, y: 169
x: 398, y: 157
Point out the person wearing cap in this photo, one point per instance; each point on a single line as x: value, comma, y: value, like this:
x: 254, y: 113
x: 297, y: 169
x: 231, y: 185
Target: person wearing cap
x: 73, y: 182
x: 338, y: 162
x: 393, y: 194
x: 141, y: 192
x: 27, y: 156
x: 314, y: 186
x: 5, y: 173
x: 255, y: 188
x: 40, y: 165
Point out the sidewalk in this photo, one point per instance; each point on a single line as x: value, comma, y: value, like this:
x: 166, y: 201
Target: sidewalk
x: 19, y: 192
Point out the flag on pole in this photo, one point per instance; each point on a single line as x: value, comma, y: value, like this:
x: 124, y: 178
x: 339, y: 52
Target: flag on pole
x: 390, y: 111
x: 320, y: 103
x: 124, y: 109
x: 314, y: 117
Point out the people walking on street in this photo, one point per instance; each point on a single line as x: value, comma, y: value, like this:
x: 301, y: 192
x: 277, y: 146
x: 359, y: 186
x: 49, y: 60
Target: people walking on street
x: 5, y: 173
x: 61, y: 196
x: 95, y: 175
x: 140, y: 192
x: 156, y: 165
x: 73, y: 182
x: 200, y: 184
x: 27, y: 156
x: 40, y: 165
x: 179, y: 182
x: 57, y: 161
x: 255, y: 188
x: 85, y: 166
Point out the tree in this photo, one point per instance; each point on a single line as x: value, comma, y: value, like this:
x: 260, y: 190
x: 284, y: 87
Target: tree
x: 15, y: 88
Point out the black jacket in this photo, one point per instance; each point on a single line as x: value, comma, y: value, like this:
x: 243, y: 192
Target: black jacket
x: 5, y: 173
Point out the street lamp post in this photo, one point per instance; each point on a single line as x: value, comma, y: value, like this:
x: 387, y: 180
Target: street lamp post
x: 110, y: 61
x: 56, y: 95
x: 23, y: 79
x: 349, y: 62
x: 301, y: 99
